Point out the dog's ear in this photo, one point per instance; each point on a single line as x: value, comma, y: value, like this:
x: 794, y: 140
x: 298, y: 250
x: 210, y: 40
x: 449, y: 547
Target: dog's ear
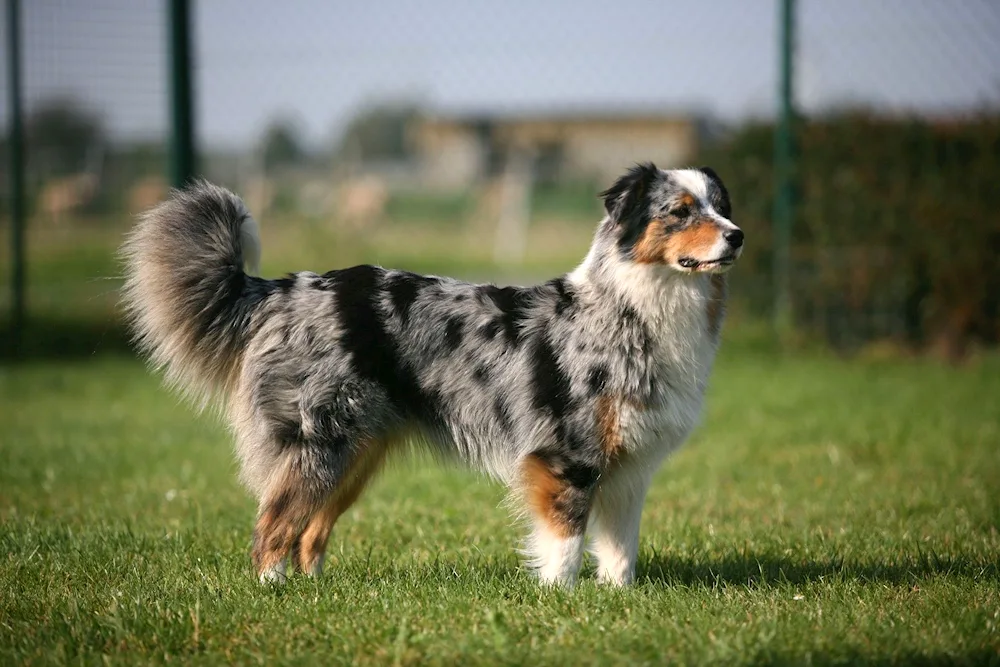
x: 718, y: 195
x: 626, y: 201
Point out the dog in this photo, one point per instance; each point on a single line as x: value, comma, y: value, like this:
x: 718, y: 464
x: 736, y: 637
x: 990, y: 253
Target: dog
x: 571, y: 392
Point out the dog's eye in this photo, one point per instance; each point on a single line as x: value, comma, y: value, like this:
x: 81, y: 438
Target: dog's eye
x: 681, y: 212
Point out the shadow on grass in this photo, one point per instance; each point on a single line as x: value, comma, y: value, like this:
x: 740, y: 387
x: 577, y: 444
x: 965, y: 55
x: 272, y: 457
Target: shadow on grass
x: 736, y: 570
x: 760, y: 569
x: 49, y: 337
x: 976, y: 656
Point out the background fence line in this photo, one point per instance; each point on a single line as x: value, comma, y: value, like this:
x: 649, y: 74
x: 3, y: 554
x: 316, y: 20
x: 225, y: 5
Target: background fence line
x: 861, y: 162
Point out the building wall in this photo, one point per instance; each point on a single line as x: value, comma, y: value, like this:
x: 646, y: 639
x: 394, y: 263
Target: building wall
x: 454, y: 152
x: 452, y: 156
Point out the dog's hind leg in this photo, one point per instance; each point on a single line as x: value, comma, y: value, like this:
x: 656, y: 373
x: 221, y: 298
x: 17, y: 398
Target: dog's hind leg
x: 310, y: 547
x: 300, y: 483
x: 559, y: 492
x: 284, y: 510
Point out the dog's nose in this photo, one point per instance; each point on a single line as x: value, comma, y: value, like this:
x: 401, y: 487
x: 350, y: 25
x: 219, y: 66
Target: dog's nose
x: 734, y: 237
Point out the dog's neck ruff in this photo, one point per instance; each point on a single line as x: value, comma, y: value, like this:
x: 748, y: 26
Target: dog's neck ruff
x: 672, y: 305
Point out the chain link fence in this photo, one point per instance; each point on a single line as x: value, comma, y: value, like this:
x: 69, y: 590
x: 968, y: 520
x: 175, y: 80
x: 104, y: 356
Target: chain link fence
x: 95, y: 112
x: 471, y: 139
x: 896, y: 231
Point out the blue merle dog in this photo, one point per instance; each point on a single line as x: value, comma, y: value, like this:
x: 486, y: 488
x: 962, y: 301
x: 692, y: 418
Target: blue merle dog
x: 571, y: 392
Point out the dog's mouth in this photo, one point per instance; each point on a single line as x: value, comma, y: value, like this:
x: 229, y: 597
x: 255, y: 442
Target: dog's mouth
x: 692, y: 264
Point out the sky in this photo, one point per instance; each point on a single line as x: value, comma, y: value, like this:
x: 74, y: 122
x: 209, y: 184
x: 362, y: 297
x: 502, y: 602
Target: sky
x: 318, y: 63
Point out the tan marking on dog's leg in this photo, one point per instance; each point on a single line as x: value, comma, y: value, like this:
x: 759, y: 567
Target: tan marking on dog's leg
x: 543, y: 491
x: 560, y: 518
x: 281, y: 519
x: 310, y: 547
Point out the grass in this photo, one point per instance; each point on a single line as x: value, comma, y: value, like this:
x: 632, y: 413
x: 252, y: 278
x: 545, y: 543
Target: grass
x: 827, y: 512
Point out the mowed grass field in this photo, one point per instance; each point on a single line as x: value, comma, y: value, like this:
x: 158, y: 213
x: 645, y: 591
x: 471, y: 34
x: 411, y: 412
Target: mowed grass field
x: 826, y: 512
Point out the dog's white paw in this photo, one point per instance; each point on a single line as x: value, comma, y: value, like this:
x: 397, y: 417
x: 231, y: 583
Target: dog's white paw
x: 276, y: 575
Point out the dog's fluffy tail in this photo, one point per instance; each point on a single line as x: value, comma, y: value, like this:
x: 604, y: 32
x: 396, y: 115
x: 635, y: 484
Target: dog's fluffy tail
x: 186, y: 296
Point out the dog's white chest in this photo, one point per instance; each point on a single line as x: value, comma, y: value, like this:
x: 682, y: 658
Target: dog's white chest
x: 683, y: 363
x: 664, y: 425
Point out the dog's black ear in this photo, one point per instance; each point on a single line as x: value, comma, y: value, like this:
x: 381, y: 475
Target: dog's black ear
x: 626, y: 200
x: 718, y: 195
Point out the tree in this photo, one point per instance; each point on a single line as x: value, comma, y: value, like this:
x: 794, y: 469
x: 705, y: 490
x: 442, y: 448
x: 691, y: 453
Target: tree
x: 281, y: 144
x: 62, y: 137
x: 381, y: 132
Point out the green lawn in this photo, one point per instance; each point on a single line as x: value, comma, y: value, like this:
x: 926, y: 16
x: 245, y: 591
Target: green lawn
x: 826, y: 512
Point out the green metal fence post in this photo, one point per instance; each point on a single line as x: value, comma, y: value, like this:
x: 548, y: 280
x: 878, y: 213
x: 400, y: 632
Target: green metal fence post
x: 182, y: 150
x: 16, y: 167
x: 784, y: 170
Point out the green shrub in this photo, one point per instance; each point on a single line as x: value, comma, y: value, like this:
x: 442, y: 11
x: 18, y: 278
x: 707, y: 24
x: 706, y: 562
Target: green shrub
x: 896, y: 231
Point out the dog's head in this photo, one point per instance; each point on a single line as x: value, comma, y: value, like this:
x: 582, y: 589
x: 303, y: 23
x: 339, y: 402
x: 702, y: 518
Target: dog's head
x: 679, y: 219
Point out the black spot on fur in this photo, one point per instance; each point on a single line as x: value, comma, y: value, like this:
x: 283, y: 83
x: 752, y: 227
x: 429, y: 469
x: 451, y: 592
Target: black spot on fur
x: 490, y: 330
x: 564, y: 295
x: 630, y: 316
x: 597, y: 379
x: 569, y: 437
x: 627, y: 202
x: 718, y: 195
x: 284, y: 285
x: 453, y: 332
x: 285, y: 429
x: 572, y: 504
x: 581, y: 475
x: 404, y: 288
x: 550, y: 390
x: 574, y: 507
x: 375, y: 355
x: 460, y: 297
x: 513, y: 303
x: 279, y: 505
x: 481, y: 374
x: 284, y: 421
x: 502, y: 413
x: 574, y: 471
x: 550, y: 385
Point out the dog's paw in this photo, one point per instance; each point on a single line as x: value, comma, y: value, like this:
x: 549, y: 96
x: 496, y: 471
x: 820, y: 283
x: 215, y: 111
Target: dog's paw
x: 276, y: 575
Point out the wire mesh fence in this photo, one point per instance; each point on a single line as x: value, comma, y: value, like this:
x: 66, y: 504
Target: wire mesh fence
x: 471, y: 138
x: 897, y: 228
x: 95, y: 122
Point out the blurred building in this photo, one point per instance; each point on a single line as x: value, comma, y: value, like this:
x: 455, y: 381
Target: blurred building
x: 457, y: 151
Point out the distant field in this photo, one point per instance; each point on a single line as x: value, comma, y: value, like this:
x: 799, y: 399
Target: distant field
x: 826, y: 513
x: 73, y: 275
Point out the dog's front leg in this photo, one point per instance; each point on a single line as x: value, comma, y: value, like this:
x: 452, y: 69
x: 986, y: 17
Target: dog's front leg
x: 559, y: 492
x: 615, y: 528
